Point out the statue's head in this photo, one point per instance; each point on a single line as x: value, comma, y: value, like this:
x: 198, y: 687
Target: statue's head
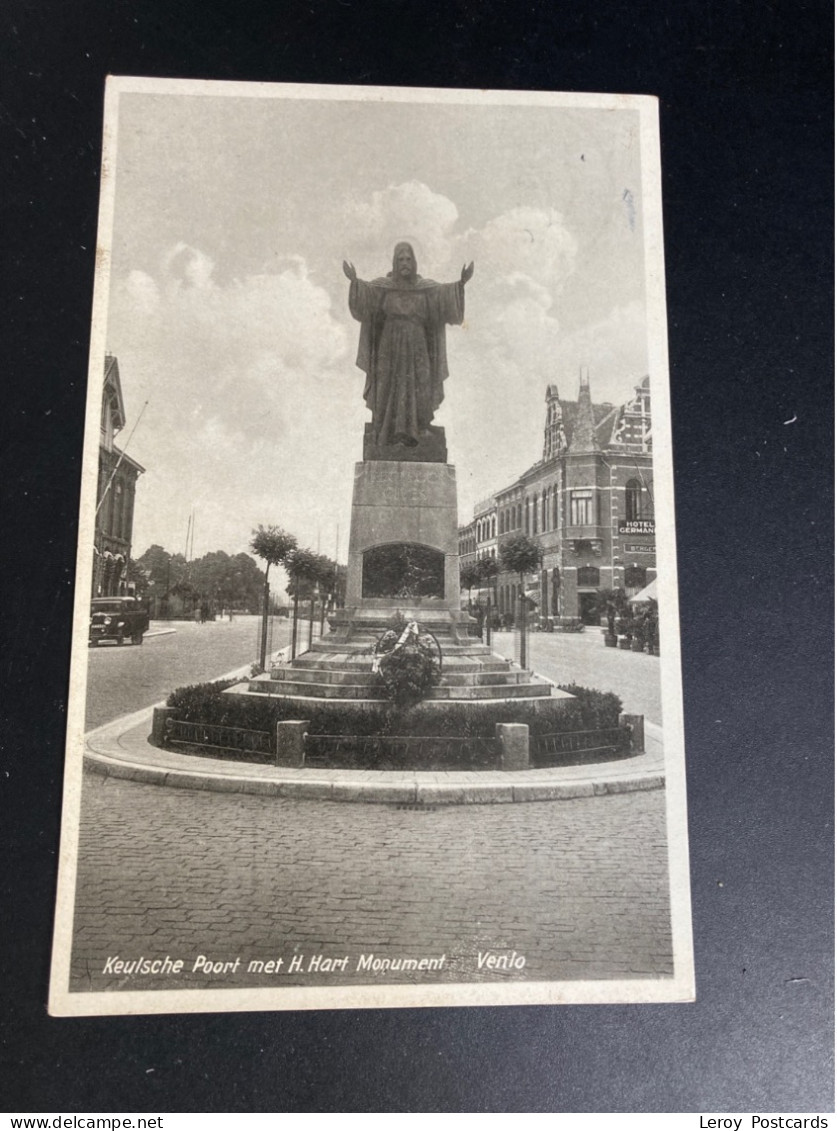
x: 404, y: 263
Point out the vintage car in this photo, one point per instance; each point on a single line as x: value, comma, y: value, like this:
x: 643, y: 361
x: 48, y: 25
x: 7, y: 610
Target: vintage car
x: 117, y: 618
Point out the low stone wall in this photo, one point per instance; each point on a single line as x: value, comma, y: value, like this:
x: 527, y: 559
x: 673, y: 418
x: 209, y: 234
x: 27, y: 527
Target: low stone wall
x: 293, y: 745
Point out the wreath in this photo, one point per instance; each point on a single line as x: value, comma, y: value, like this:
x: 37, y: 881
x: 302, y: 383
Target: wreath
x: 408, y: 664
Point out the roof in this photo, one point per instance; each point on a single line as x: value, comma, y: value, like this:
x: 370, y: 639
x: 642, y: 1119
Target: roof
x: 113, y: 392
x: 124, y: 458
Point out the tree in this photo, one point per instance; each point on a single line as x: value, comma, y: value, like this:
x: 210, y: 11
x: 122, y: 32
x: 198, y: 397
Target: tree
x: 166, y: 574
x: 303, y: 568
x: 487, y: 570
x: 468, y: 577
x: 521, y: 555
x: 216, y: 577
x: 274, y: 546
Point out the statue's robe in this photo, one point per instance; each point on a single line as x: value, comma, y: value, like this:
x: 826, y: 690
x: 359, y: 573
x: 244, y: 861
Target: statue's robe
x: 402, y: 351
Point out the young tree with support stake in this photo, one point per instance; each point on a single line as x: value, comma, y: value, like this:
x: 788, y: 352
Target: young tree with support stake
x: 468, y: 578
x: 487, y: 570
x: 320, y: 581
x: 273, y: 545
x: 521, y: 555
x: 303, y: 568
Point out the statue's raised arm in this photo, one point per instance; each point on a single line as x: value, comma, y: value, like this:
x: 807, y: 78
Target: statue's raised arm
x: 402, y: 343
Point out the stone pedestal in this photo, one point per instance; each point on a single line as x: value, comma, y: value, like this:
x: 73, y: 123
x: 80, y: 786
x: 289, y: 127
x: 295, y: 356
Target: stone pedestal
x: 409, y: 508
x: 159, y: 734
x: 290, y: 742
x: 431, y: 448
x: 404, y: 556
x: 513, y: 740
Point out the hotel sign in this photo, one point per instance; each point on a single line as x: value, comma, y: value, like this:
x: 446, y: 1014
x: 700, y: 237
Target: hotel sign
x: 638, y: 526
x: 638, y: 548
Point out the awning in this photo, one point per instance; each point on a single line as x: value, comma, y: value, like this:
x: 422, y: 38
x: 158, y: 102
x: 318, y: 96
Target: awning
x: 649, y: 593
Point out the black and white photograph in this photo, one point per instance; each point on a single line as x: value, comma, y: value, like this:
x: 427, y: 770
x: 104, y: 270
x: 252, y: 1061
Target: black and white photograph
x: 375, y: 684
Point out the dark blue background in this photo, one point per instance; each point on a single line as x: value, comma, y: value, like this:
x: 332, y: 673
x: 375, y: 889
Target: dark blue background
x: 746, y: 116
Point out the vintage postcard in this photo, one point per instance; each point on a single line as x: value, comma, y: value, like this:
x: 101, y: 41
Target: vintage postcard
x: 375, y: 689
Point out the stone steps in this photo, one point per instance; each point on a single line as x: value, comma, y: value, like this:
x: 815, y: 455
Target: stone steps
x: 528, y: 690
x: 450, y: 678
x: 359, y: 647
x: 340, y: 663
x: 291, y: 689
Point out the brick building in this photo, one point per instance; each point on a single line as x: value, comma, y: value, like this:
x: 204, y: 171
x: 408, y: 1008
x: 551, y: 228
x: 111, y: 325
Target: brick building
x: 117, y: 485
x: 588, y: 502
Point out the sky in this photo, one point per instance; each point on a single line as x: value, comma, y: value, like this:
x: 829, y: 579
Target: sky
x: 228, y: 306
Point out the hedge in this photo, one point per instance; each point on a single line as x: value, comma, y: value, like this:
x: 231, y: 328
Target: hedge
x: 205, y: 703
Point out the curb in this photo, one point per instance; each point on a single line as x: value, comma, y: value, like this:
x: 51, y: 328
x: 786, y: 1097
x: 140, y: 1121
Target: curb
x: 121, y: 750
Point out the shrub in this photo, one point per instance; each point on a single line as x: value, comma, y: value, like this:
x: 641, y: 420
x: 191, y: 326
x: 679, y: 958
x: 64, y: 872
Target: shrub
x: 592, y: 710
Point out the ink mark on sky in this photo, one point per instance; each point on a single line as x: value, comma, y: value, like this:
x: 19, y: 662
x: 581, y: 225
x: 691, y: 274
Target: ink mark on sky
x: 628, y: 198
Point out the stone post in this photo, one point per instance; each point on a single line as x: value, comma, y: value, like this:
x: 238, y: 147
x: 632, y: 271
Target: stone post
x: 290, y: 743
x: 158, y: 726
x: 637, y: 725
x: 513, y: 740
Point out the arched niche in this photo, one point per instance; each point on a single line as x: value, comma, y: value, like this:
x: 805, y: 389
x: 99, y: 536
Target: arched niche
x: 403, y: 569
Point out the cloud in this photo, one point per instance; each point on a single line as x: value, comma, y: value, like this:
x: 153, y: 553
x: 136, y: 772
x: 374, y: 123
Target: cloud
x: 614, y: 349
x: 255, y: 410
x: 188, y: 266
x: 409, y: 211
x: 141, y: 292
x: 235, y: 375
x: 532, y: 242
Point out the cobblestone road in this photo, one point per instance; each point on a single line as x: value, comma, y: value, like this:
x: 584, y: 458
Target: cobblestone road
x: 577, y: 887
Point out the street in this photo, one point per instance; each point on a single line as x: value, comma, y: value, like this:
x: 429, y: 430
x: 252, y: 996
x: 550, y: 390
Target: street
x: 127, y: 678
x: 578, y: 887
x: 581, y: 658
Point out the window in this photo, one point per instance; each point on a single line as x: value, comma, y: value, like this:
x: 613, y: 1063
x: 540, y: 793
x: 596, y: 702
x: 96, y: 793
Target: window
x: 635, y: 577
x: 633, y: 500
x: 588, y: 577
x: 555, y: 507
x: 581, y: 508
